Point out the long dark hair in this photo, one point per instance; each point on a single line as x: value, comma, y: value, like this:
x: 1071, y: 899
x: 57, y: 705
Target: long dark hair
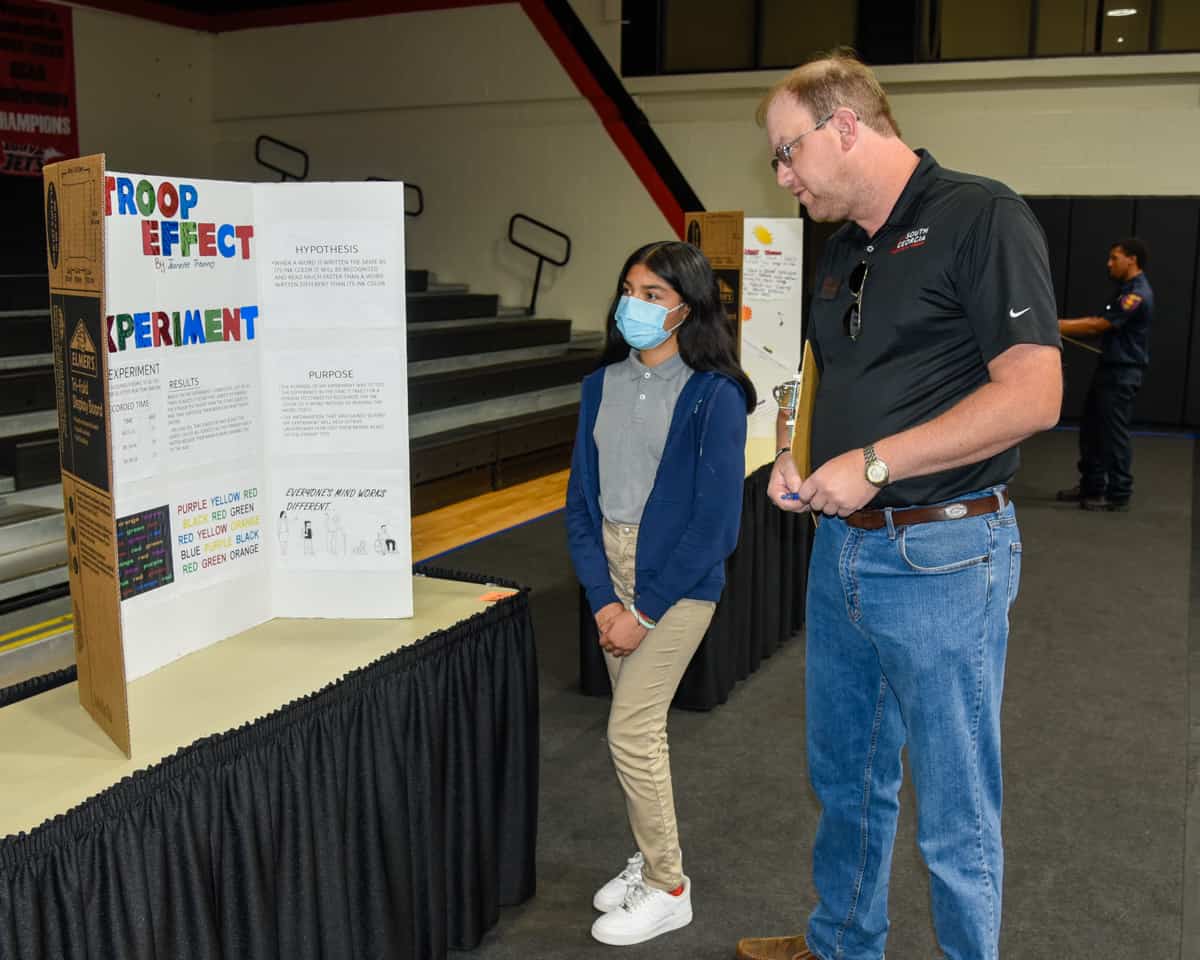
x: 705, y: 341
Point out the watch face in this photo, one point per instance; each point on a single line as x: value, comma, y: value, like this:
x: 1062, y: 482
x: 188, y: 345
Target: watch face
x: 877, y: 473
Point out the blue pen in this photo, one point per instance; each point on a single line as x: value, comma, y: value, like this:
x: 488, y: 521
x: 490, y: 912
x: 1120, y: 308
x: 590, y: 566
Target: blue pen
x: 791, y: 496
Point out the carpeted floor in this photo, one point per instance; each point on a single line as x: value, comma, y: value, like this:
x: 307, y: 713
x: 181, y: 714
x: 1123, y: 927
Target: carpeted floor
x: 1095, y: 726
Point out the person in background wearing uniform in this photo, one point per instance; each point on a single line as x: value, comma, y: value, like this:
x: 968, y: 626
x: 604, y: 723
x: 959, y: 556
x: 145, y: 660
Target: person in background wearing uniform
x: 1105, y: 450
x: 934, y: 327
x: 654, y: 506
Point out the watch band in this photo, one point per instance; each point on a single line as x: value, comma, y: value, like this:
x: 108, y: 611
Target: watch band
x: 782, y: 450
x: 872, y: 460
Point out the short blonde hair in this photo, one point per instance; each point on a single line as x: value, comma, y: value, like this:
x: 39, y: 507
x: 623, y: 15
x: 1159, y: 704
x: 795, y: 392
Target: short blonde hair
x: 836, y: 79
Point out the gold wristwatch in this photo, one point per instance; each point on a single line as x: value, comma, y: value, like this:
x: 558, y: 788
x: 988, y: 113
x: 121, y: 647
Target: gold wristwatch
x: 877, y: 470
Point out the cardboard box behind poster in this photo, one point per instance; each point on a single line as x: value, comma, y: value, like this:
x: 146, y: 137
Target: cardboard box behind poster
x: 719, y: 235
x: 175, y: 461
x: 75, y: 257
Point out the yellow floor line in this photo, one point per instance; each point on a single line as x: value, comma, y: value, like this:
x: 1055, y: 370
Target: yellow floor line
x: 44, y: 635
x: 33, y: 627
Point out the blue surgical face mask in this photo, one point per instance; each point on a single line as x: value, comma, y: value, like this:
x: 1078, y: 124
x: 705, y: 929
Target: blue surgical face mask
x: 642, y: 323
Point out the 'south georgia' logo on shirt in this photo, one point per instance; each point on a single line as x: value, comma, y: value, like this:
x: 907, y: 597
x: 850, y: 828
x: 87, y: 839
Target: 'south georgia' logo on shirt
x: 911, y: 240
x: 1130, y: 302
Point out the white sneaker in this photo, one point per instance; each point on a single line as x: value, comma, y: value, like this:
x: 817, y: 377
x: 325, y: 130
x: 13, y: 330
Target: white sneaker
x: 612, y: 894
x: 645, y: 913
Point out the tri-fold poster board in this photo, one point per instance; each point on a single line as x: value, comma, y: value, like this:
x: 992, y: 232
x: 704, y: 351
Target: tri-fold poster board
x: 758, y: 262
x: 233, y: 411
x: 772, y: 310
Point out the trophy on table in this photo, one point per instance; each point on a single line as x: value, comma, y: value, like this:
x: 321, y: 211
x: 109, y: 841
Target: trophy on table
x: 787, y: 395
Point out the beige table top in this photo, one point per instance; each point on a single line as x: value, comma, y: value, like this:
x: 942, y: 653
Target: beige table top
x: 53, y: 756
x: 759, y: 450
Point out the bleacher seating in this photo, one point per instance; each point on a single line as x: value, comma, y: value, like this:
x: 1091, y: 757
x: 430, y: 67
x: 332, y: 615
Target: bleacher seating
x: 493, y: 394
x: 28, y: 421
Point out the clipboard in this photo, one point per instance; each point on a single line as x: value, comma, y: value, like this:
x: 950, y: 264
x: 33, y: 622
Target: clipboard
x: 806, y: 396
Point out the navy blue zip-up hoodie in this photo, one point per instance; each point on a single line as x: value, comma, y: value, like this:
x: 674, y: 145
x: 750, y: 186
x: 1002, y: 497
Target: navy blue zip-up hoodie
x: 691, y: 519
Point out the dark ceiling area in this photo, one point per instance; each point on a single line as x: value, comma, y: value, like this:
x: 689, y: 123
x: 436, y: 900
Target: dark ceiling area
x: 219, y: 16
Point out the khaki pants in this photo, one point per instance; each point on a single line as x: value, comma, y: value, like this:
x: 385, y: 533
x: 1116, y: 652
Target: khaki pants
x: 643, y: 685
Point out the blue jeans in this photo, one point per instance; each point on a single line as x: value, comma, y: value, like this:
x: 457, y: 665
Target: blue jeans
x: 906, y: 639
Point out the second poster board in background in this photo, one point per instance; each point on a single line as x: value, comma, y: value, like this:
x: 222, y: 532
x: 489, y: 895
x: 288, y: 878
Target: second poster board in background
x: 772, y: 311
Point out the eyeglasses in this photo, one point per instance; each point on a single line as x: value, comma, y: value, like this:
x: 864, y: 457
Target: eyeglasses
x: 852, y: 319
x: 783, y: 152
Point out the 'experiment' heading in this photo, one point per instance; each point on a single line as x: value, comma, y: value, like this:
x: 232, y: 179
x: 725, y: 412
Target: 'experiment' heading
x: 180, y: 328
x: 176, y: 233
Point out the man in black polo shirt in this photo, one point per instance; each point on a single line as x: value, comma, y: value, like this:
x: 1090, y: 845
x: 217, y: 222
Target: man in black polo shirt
x: 1105, y: 452
x: 934, y: 326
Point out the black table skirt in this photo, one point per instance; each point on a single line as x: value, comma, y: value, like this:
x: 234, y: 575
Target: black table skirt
x: 763, y: 605
x: 390, y: 814
x: 37, y: 685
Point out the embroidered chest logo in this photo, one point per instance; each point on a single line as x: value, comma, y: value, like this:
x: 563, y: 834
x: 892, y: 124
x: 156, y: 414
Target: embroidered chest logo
x: 1130, y: 302
x: 911, y: 240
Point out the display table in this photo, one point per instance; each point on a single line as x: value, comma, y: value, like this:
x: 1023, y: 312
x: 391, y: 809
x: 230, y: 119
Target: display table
x: 763, y: 603
x: 386, y: 813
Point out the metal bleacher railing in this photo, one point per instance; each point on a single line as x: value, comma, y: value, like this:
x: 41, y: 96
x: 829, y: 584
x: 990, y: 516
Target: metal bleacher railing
x: 264, y: 146
x: 275, y: 154
x: 410, y: 190
x: 542, y: 258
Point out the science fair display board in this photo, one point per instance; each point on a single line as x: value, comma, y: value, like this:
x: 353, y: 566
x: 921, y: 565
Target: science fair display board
x: 758, y: 262
x: 233, y: 411
x: 772, y: 311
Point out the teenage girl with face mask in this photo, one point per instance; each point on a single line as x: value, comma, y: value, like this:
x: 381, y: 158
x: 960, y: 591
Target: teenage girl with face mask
x: 653, y: 507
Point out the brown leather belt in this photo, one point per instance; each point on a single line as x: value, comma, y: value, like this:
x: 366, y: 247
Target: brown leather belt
x: 902, y: 516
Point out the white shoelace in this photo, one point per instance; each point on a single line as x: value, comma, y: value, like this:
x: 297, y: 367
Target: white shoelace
x: 637, y: 894
x: 633, y: 868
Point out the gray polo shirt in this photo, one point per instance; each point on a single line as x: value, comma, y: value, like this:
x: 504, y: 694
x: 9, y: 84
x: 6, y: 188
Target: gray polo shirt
x: 631, y: 431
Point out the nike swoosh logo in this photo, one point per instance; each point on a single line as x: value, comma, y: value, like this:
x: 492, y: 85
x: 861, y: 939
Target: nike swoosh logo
x: 1017, y: 313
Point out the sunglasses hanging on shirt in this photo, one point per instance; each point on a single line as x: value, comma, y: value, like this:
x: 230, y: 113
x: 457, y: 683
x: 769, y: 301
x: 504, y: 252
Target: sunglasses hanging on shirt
x: 852, y: 318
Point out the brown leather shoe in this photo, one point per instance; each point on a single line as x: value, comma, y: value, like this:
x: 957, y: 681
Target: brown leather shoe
x: 774, y: 948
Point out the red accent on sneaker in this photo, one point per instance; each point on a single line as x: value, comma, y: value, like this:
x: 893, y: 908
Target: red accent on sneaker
x: 678, y: 891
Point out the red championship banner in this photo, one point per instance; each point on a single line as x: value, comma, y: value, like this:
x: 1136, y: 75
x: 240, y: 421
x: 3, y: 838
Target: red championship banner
x: 37, y: 86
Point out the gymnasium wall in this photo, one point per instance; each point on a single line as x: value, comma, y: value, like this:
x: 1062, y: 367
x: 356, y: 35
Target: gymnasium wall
x: 473, y: 106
